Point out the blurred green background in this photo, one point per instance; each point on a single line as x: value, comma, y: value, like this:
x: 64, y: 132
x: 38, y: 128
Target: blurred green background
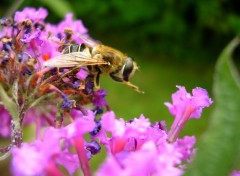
x: 174, y: 43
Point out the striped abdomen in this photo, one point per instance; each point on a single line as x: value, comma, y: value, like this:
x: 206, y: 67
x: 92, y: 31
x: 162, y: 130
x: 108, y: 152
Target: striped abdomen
x: 77, y: 48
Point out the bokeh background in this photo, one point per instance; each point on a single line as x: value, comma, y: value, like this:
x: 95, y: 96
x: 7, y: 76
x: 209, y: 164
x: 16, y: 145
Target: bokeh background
x: 174, y: 43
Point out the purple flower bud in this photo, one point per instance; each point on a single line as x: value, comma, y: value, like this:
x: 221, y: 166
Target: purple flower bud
x: 89, y: 88
x: 98, y: 98
x: 93, y: 147
x: 68, y: 104
x: 97, y: 128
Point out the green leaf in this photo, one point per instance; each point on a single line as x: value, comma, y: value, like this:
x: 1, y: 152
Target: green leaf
x: 8, y: 103
x: 218, y: 149
x: 60, y: 7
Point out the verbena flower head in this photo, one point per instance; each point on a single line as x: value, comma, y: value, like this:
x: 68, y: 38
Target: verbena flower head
x: 129, y: 142
x: 47, y: 152
x: 26, y: 43
x: 54, y: 149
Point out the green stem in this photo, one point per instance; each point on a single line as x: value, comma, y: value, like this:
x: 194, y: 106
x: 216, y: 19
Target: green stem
x: 16, y: 137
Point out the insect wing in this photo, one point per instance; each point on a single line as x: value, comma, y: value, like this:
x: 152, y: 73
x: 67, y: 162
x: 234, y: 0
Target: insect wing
x: 74, y: 59
x: 87, y: 40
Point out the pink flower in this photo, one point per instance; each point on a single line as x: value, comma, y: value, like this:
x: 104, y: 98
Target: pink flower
x: 112, y: 125
x: 28, y: 155
x: 53, y: 149
x: 110, y: 166
x: 184, y: 102
x: 148, y: 160
x: 43, y: 151
x: 139, y: 125
x: 31, y: 13
x: 82, y: 74
x: 39, y: 45
x: 185, y: 147
x: 186, y: 106
x: 81, y: 125
x: 41, y: 48
x: 46, y: 50
x: 168, y: 160
x: 76, y: 26
x: 127, y: 136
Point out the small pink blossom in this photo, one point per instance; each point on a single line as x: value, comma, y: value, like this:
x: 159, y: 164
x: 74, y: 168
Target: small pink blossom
x: 184, y: 102
x: 28, y: 155
x: 148, y: 160
x: 53, y: 148
x: 82, y: 74
x: 127, y: 136
x: 68, y: 22
x: 31, y: 13
x: 81, y: 125
x: 186, y: 106
x: 113, y: 125
x: 185, y: 147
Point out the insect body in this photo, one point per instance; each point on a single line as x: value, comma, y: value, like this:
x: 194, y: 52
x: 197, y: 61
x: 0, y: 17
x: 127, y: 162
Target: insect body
x: 99, y: 59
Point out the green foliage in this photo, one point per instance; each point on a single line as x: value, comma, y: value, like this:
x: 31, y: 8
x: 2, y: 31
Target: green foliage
x: 65, y: 6
x: 219, y: 148
x: 190, y: 31
x: 8, y: 103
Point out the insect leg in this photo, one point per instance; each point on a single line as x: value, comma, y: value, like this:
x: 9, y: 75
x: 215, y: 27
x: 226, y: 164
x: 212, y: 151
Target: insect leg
x: 127, y: 83
x: 96, y: 79
x: 133, y: 86
x: 95, y: 72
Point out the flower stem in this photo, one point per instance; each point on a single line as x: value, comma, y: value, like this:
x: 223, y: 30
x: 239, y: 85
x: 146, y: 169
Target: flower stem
x: 16, y: 137
x: 176, y: 129
x: 82, y: 155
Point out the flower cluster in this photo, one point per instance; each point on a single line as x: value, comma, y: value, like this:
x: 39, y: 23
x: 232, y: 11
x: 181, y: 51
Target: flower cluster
x: 26, y: 43
x: 73, y: 132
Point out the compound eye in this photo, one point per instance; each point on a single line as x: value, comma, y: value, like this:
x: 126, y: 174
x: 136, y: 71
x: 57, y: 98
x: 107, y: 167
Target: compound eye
x: 127, y: 69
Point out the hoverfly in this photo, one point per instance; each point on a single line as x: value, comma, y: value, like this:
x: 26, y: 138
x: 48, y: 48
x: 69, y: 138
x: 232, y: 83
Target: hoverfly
x: 98, y: 59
